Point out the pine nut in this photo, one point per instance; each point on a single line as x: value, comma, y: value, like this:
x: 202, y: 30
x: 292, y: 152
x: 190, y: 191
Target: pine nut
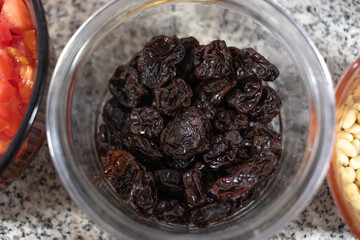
x: 346, y: 147
x: 355, y: 128
x: 351, y: 189
x: 355, y: 162
x: 357, y: 136
x: 357, y: 174
x: 356, y: 106
x: 348, y: 175
x: 355, y: 200
x: 345, y: 135
x: 349, y: 118
x: 342, y: 158
x: 356, y: 144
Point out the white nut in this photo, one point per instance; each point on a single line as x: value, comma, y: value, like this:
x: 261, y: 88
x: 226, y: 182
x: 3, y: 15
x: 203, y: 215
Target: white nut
x: 357, y: 183
x: 351, y: 189
x: 356, y: 106
x: 354, y: 129
x: 348, y: 175
x: 357, y: 174
x: 356, y: 136
x: 346, y: 147
x: 356, y: 144
x: 342, y: 158
x: 345, y: 135
x: 355, y: 162
x: 355, y: 201
x: 349, y: 118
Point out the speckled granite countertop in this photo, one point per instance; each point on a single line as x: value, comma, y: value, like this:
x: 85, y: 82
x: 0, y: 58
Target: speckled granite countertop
x: 36, y: 205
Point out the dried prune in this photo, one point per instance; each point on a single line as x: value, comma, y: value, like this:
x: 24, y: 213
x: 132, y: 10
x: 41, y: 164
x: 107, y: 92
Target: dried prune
x: 249, y: 63
x: 143, y: 195
x: 121, y: 170
x: 245, y: 97
x: 107, y: 139
x: 134, y: 60
x: 144, y: 150
x: 196, y: 182
x: 210, y: 213
x: 213, y: 61
x: 268, y: 106
x: 185, y: 135
x: 227, y: 119
x: 265, y: 140
x: 208, y: 110
x: 169, y: 180
x: 187, y: 63
x: 145, y: 121
x: 172, y: 211
x: 126, y: 86
x: 213, y: 91
x: 181, y: 164
x: 170, y: 99
x: 157, y: 61
x: 114, y: 115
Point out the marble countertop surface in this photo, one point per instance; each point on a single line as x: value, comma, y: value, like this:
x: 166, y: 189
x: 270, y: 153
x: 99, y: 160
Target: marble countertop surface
x: 36, y: 205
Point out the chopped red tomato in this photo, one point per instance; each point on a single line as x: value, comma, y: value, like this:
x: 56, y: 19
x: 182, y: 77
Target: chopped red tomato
x: 6, y: 65
x: 5, y: 35
x: 30, y: 40
x: 17, y: 15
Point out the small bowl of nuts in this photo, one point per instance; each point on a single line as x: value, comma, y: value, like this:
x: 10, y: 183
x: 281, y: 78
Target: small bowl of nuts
x: 344, y: 173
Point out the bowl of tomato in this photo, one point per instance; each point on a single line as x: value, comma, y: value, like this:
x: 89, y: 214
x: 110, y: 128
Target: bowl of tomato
x: 24, y: 67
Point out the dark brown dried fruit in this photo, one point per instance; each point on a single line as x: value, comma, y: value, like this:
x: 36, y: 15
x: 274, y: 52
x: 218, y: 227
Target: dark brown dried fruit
x: 126, y: 86
x: 181, y: 164
x: 265, y: 140
x: 121, y: 170
x: 208, y: 110
x: 268, y: 106
x: 210, y: 213
x: 172, y: 211
x: 213, y: 91
x: 227, y: 120
x: 134, y: 60
x: 213, y: 61
x: 185, y: 135
x: 245, y: 97
x: 169, y: 180
x: 114, y: 115
x: 157, y: 61
x: 145, y: 121
x: 170, y: 99
x: 143, y: 196
x: 107, y: 139
x: 249, y: 63
x: 196, y: 182
x: 187, y: 63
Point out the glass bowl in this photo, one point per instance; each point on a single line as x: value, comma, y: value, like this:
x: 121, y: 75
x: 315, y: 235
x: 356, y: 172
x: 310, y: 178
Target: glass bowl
x: 344, y: 96
x: 117, y: 31
x: 32, y: 128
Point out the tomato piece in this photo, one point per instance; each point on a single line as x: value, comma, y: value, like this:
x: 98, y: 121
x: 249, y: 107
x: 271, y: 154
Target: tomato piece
x: 6, y: 66
x: 5, y: 35
x: 30, y: 40
x: 7, y: 91
x: 10, y: 112
x: 27, y: 74
x: 1, y: 3
x: 17, y: 15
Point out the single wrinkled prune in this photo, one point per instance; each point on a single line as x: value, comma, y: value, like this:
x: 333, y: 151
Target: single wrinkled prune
x: 144, y: 150
x: 170, y: 99
x: 265, y: 140
x: 145, y: 121
x: 121, y: 170
x: 208, y: 110
x: 225, y: 151
x: 185, y: 135
x: 187, y: 63
x: 249, y: 63
x: 114, y: 115
x: 135, y: 60
x: 242, y: 184
x: 169, y: 180
x: 181, y: 164
x: 196, y: 182
x: 107, y: 139
x: 126, y: 86
x: 245, y: 97
x: 213, y: 91
x: 157, y: 61
x: 143, y: 195
x: 210, y: 213
x: 213, y: 61
x: 172, y: 211
x: 268, y: 106
x: 227, y: 119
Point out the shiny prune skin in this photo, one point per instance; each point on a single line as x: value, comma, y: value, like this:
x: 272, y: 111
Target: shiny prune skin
x: 107, y: 139
x: 196, y: 182
x: 268, y: 106
x: 247, y: 94
x: 170, y: 99
x: 135, y: 60
x: 121, y: 170
x: 157, y: 60
x: 126, y: 86
x: 172, y: 211
x: 114, y: 115
x: 187, y: 63
x: 169, y: 180
x: 227, y: 120
x: 145, y: 121
x: 213, y: 61
x: 265, y: 140
x: 249, y: 63
x: 210, y: 213
x: 145, y: 150
x: 181, y: 164
x: 208, y: 110
x: 213, y: 91
x: 143, y: 195
x: 185, y: 135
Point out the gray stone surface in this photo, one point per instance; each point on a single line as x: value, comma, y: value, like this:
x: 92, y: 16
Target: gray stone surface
x: 36, y: 205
